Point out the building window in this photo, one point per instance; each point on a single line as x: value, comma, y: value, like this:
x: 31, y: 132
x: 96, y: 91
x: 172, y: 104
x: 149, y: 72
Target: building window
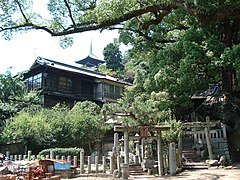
x: 64, y: 84
x: 34, y: 82
x: 112, y: 91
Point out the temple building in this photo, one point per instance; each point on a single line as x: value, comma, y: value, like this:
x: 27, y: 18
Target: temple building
x: 63, y: 83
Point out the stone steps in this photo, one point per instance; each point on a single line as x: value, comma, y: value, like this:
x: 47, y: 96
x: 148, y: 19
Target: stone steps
x: 189, y: 155
x: 136, y: 169
x: 194, y: 165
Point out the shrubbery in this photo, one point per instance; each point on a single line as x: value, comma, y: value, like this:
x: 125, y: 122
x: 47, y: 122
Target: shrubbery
x: 61, y: 152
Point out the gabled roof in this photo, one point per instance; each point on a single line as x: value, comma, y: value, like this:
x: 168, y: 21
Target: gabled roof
x: 71, y: 68
x: 90, y: 61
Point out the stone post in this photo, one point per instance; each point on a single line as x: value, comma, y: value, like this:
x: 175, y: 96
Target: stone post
x: 51, y: 154
x: 96, y: 163
x: 116, y: 139
x: 111, y: 164
x: 104, y: 164
x: 180, y: 140
x: 138, y: 159
x: 69, y: 158
x: 24, y: 157
x: 81, y: 162
x: 8, y: 154
x: 57, y: 157
x: 75, y: 161
x: 172, y: 159
x: 126, y: 153
x: 209, y: 147
x: 89, y: 164
x: 160, y: 154
x: 29, y: 155
x: 224, y: 131
x: 20, y: 157
x: 121, y: 144
x: 118, y: 163
x: 143, y: 148
x: 15, y: 157
x: 126, y: 147
x: 63, y: 158
x: 125, y: 171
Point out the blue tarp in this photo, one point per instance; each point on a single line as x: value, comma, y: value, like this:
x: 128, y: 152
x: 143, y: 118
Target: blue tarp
x: 62, y: 165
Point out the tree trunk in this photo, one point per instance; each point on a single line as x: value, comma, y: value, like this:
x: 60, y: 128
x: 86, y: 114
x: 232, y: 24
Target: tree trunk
x: 229, y: 37
x: 229, y: 80
x: 90, y: 147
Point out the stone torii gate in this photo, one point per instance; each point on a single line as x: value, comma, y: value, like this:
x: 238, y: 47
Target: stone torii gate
x: 144, y: 130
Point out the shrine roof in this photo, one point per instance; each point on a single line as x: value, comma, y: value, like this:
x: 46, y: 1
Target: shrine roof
x: 90, y: 61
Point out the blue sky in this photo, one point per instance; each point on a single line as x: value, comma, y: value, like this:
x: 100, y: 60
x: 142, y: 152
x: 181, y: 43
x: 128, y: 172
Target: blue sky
x: 20, y: 52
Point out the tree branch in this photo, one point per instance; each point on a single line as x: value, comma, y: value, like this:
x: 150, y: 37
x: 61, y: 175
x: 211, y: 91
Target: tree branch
x: 70, y: 13
x: 21, y: 10
x: 94, y: 25
x: 161, y: 10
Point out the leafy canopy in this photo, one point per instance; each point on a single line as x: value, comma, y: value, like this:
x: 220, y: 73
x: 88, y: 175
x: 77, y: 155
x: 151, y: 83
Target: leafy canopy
x: 40, y: 128
x: 179, y: 47
x: 66, y: 17
x: 14, y: 95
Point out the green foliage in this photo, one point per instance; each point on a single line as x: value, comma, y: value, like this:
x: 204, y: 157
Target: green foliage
x: 39, y: 128
x: 113, y: 57
x: 14, y: 95
x: 174, y: 133
x: 66, y: 42
x: 61, y: 152
x: 30, y: 128
x: 103, y: 69
x: 88, y: 126
x: 115, y: 62
x: 179, y: 47
x: 11, y: 87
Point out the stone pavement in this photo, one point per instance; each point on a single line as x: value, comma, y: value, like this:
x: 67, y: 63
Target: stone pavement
x: 206, y: 174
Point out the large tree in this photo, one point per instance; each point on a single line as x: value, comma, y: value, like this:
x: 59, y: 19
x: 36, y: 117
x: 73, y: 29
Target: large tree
x: 141, y: 18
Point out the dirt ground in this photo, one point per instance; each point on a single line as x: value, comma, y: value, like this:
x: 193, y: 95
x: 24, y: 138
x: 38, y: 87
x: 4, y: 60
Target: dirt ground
x: 206, y: 174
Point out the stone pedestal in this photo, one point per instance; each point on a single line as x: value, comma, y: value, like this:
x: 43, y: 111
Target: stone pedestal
x: 125, y: 170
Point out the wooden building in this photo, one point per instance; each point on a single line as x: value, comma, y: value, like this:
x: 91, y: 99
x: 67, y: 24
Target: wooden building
x: 64, y: 83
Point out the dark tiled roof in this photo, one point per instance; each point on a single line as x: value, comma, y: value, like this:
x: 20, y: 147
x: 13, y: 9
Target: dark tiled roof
x: 90, y: 61
x: 75, y: 69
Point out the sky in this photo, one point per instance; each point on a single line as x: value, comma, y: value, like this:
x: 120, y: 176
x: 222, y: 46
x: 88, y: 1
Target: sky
x: 20, y: 52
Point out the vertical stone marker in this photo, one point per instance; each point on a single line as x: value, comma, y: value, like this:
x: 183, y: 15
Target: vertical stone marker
x: 81, y: 162
x: 172, y: 159
x: 89, y: 164
x: 126, y: 148
x: 96, y: 163
x: 75, y: 161
x: 209, y: 147
x: 160, y: 154
x: 104, y: 164
x: 51, y: 154
x: 29, y: 155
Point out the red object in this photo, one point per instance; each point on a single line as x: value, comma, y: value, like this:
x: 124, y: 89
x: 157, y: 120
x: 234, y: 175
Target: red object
x: 38, y: 172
